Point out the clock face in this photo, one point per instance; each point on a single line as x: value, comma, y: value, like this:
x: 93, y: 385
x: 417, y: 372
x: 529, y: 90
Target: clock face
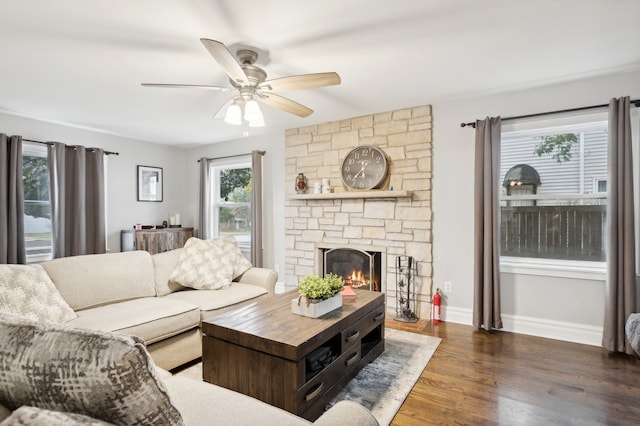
x: 365, y: 167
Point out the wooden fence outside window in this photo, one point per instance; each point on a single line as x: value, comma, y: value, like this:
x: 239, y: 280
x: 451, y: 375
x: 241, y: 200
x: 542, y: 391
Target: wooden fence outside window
x: 569, y: 232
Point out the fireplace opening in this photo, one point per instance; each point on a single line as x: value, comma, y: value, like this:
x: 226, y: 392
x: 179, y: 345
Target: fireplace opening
x: 358, y: 268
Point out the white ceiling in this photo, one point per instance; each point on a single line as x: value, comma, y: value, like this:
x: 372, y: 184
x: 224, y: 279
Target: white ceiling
x: 81, y: 62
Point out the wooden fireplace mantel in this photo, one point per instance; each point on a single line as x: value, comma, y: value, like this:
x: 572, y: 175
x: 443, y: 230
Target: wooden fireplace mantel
x: 352, y: 195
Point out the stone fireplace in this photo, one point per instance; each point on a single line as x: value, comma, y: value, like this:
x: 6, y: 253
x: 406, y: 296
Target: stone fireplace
x: 392, y: 221
x: 357, y: 268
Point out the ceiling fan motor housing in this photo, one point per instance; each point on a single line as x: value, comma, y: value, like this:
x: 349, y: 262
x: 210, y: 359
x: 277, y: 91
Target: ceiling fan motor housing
x: 247, y: 57
x: 255, y: 75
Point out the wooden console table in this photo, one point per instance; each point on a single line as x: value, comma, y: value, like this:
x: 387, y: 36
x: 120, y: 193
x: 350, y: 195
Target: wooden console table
x: 161, y: 240
x: 264, y: 350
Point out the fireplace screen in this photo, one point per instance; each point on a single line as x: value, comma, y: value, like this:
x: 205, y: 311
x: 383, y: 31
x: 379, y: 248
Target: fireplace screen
x: 358, y: 268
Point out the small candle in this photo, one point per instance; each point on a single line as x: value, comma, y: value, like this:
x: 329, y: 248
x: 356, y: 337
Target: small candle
x: 172, y: 220
x: 177, y: 218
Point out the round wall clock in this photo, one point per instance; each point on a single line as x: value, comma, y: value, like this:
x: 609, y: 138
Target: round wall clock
x: 364, y: 167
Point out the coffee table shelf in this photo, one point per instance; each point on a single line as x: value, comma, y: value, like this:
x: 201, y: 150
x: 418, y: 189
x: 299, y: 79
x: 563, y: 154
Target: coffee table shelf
x: 265, y: 351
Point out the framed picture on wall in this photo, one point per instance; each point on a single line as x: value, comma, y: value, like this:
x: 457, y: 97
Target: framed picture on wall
x: 149, y: 183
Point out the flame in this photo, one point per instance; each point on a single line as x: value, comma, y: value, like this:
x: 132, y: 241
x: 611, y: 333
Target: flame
x: 356, y: 279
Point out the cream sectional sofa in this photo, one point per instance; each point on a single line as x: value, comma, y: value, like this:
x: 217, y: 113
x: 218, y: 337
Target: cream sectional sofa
x: 131, y: 293
x: 55, y: 374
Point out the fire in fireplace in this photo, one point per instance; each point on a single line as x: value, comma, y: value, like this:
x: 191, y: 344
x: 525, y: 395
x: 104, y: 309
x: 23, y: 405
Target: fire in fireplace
x: 358, y: 268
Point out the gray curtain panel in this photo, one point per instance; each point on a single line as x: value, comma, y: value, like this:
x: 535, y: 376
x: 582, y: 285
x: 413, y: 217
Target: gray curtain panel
x: 486, y: 300
x: 76, y: 179
x: 12, y: 243
x: 204, y: 201
x: 620, y: 301
x: 256, y: 208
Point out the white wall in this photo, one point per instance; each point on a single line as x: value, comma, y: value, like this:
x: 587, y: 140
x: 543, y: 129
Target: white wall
x: 273, y: 187
x: 567, y: 308
x: 123, y: 209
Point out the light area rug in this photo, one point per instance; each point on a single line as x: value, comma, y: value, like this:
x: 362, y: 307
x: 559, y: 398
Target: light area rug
x: 382, y: 385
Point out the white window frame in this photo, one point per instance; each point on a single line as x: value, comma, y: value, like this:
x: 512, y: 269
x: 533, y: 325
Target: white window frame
x: 586, y: 270
x: 596, y: 184
x: 216, y: 167
x: 36, y: 150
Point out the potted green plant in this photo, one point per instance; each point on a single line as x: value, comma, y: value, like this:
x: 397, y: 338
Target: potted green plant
x: 322, y: 292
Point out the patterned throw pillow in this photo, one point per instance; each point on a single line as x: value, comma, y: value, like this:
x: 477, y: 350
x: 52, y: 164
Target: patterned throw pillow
x: 107, y: 376
x: 34, y: 416
x: 27, y: 291
x: 205, y: 264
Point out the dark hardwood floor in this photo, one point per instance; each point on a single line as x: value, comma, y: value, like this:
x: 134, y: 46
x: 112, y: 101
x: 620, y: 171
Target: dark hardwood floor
x: 478, y: 378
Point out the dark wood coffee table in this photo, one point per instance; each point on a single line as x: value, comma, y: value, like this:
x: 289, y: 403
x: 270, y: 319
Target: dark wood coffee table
x: 293, y: 362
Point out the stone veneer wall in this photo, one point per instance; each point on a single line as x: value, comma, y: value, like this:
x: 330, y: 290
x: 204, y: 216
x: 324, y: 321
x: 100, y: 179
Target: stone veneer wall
x: 395, y: 226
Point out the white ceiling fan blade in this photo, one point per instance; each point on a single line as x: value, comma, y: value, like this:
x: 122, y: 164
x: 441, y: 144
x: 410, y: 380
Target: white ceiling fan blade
x: 227, y: 62
x: 284, y: 104
x: 187, y: 86
x: 303, y: 81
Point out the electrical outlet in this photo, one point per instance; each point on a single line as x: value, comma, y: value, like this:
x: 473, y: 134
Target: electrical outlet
x: 276, y: 267
x: 447, y: 287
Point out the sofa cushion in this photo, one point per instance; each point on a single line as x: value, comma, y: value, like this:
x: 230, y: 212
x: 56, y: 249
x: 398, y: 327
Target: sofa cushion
x: 204, y: 264
x: 230, y: 408
x: 27, y: 291
x: 150, y: 318
x: 108, y: 376
x: 34, y: 416
x: 211, y: 300
x: 111, y: 277
x: 163, y: 264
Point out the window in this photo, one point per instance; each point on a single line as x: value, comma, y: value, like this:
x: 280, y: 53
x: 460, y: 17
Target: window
x: 600, y: 185
x: 562, y: 216
x: 232, y: 202
x: 37, y: 204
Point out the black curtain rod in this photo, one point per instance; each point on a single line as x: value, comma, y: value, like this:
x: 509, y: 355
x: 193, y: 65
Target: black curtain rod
x: 234, y: 156
x: 635, y: 103
x: 51, y: 143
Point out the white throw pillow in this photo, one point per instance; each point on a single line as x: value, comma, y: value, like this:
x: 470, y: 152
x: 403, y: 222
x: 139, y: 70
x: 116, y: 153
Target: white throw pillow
x: 28, y: 292
x: 205, y: 264
x: 242, y: 265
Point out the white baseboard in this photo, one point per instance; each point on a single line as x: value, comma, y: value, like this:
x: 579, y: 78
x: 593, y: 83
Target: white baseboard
x: 551, y: 329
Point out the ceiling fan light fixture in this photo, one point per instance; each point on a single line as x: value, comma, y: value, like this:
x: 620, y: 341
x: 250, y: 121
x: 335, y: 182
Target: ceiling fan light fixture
x: 233, y: 115
x: 252, y: 111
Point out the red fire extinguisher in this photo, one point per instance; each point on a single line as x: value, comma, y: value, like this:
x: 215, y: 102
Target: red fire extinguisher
x: 437, y: 300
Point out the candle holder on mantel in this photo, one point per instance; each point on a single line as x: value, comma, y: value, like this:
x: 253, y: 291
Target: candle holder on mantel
x: 406, y: 270
x: 301, y: 183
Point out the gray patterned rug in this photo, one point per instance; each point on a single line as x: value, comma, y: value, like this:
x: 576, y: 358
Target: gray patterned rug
x: 382, y: 385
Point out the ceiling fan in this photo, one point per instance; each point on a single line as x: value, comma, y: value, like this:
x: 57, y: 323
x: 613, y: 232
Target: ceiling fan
x: 251, y: 84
